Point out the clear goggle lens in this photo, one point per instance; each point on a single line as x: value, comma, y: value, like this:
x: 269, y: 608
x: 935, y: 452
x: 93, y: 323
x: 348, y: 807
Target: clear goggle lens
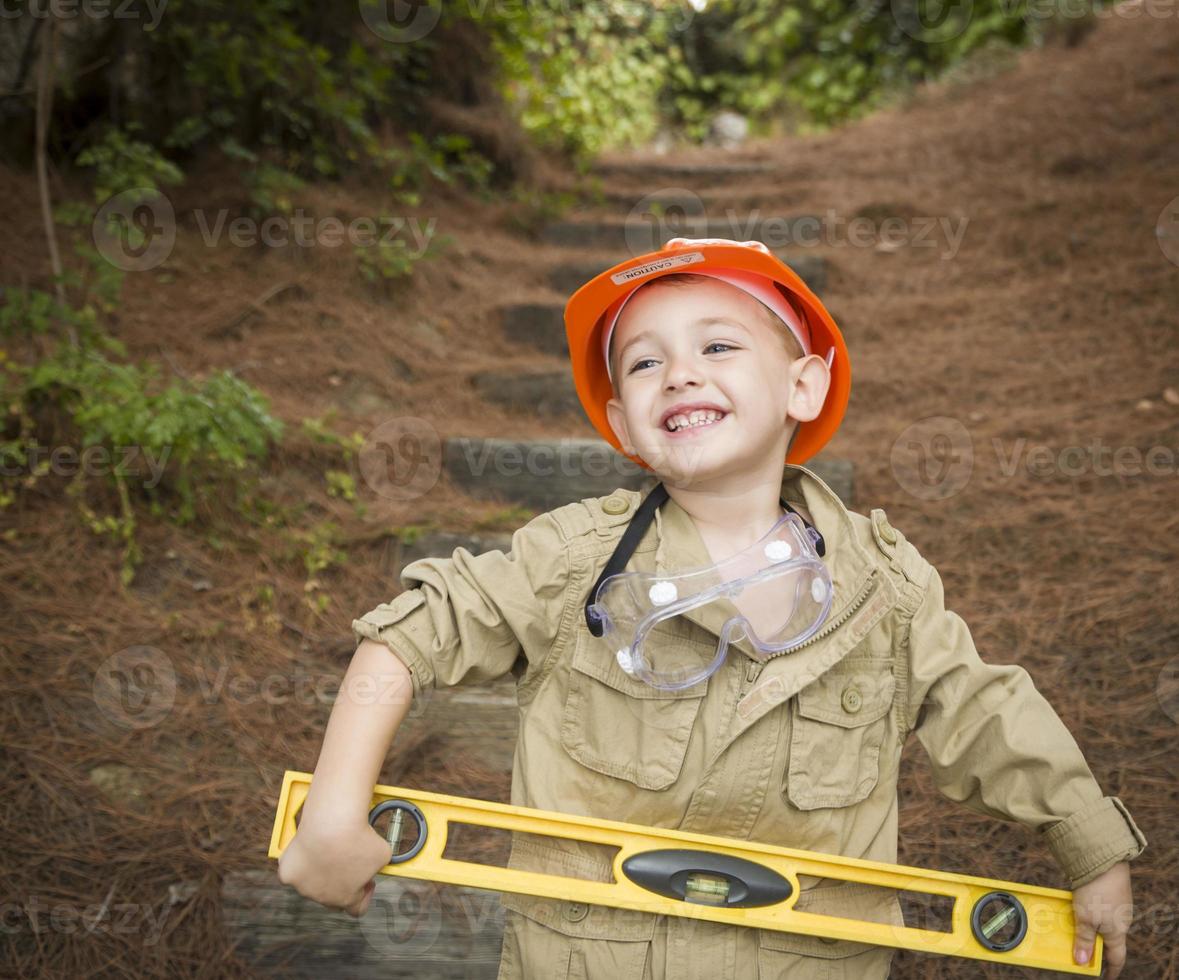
x: 781, y: 585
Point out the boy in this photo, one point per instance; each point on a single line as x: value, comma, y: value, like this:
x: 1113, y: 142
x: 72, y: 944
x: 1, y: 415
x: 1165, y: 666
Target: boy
x: 710, y: 362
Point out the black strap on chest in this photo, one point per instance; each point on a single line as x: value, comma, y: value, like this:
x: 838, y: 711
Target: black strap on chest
x: 633, y: 534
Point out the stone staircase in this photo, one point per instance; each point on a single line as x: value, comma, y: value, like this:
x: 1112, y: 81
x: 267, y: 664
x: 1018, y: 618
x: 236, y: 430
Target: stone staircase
x: 270, y: 918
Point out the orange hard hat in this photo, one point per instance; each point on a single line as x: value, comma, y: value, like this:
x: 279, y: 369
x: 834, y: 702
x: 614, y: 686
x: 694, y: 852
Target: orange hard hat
x: 595, y: 304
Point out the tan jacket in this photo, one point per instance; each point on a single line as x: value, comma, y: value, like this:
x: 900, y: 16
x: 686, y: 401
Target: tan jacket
x: 803, y: 751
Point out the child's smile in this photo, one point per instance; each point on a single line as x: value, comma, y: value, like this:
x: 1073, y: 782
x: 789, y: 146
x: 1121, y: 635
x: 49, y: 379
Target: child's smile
x: 681, y: 421
x: 690, y: 431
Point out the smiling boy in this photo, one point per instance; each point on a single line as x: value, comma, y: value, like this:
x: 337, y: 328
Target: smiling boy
x: 713, y: 365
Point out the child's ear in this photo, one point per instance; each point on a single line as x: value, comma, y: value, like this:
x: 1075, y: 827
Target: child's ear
x: 617, y: 419
x: 810, y: 381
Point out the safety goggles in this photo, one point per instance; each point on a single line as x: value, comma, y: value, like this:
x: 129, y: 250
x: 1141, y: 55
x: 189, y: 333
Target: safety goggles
x: 780, y: 579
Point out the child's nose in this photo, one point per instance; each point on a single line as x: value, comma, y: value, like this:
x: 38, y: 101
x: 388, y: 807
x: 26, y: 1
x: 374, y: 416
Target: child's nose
x: 682, y: 369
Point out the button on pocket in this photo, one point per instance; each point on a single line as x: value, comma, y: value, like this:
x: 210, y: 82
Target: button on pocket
x: 852, y: 701
x: 615, y: 506
x: 621, y: 726
x: 838, y: 726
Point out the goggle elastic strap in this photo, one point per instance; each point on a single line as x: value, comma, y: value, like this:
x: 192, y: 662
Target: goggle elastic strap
x: 634, y: 534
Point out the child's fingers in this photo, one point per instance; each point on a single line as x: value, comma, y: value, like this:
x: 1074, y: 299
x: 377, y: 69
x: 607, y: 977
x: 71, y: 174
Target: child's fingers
x: 360, y: 906
x: 378, y: 849
x: 1083, y: 941
x: 1114, y: 954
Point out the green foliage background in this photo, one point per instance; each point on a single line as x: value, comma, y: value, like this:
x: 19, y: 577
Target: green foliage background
x: 309, y: 89
x: 822, y: 62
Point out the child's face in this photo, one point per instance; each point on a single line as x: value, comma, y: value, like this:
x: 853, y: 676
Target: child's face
x: 708, y: 342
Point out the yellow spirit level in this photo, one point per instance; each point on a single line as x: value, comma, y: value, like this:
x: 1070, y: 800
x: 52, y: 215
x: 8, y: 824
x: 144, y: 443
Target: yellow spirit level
x: 742, y: 883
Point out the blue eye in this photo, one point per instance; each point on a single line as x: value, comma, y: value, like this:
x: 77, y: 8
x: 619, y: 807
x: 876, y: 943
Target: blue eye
x: 715, y: 343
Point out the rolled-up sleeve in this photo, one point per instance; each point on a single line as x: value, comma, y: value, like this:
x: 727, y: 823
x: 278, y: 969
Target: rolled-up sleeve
x: 997, y: 746
x: 467, y: 618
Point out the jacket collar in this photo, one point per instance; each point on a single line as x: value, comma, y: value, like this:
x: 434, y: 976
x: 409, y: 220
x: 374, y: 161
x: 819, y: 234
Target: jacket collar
x: 679, y: 547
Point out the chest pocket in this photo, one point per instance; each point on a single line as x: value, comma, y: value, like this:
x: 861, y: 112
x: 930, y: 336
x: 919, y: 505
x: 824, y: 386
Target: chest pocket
x: 621, y: 726
x: 839, y: 724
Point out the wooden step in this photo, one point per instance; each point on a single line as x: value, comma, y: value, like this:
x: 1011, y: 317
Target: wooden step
x: 539, y: 474
x: 411, y: 930
x: 657, y: 170
x: 479, y: 721
x: 549, y: 393
x: 568, y: 277
x: 538, y: 325
x: 442, y: 544
x: 544, y: 474
x: 675, y: 199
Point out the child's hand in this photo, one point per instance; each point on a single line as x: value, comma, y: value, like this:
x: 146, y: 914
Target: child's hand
x: 1104, y: 905
x: 333, y: 863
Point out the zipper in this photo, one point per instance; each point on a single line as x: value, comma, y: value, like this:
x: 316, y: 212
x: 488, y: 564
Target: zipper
x: 752, y: 672
x: 868, y: 588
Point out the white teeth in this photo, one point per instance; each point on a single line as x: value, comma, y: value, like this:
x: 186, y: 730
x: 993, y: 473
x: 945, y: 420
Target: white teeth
x: 699, y: 417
